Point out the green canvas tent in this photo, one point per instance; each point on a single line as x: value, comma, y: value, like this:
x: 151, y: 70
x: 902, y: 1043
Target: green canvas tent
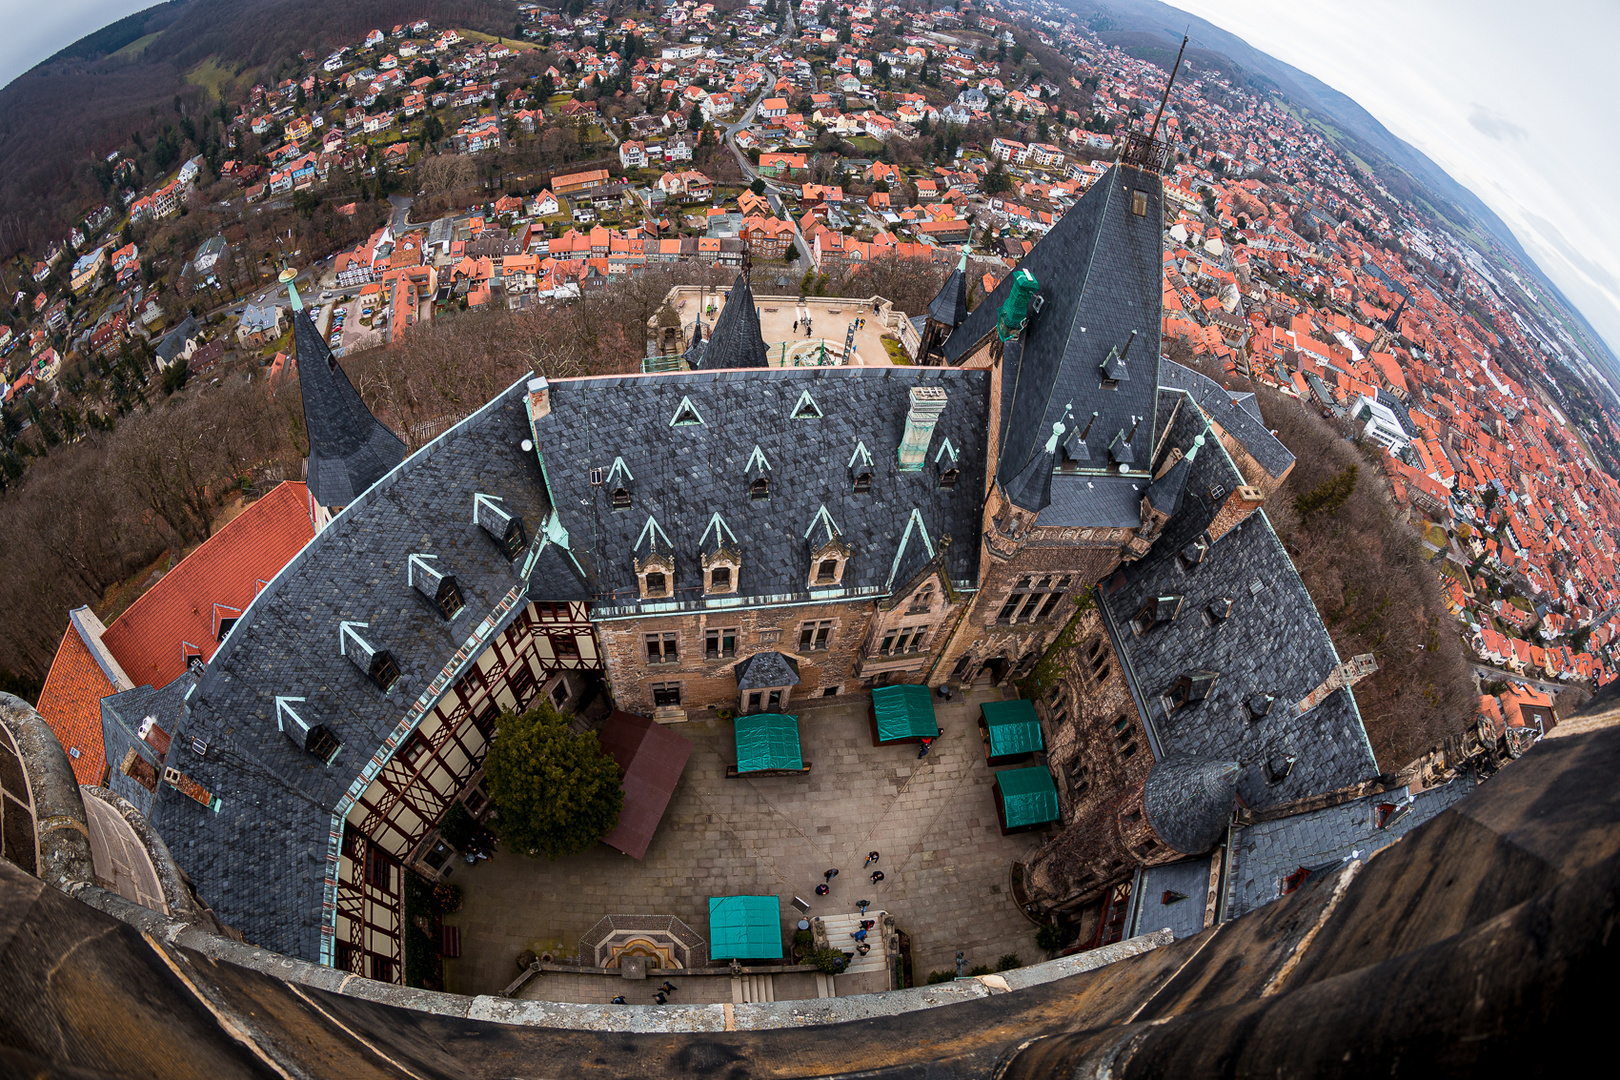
x: 768, y: 741
x: 904, y: 712
x: 1028, y: 796
x: 1012, y: 726
x: 745, y: 928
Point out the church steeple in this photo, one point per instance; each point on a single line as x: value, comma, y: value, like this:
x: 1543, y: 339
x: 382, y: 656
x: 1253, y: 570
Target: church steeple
x: 349, y: 448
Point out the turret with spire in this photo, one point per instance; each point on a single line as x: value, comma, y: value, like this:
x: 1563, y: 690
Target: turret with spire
x: 349, y: 448
x: 736, y: 340
x: 946, y: 312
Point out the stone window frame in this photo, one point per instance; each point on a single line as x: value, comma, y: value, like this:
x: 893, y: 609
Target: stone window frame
x: 668, y: 649
x: 821, y: 632
x: 764, y: 699
x: 833, y: 551
x: 666, y: 689
x: 660, y: 566
x: 728, y: 561
x: 1034, y: 598
x: 720, y: 634
x: 904, y: 640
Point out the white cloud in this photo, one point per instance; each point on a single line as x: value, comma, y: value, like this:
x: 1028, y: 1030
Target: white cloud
x: 1511, y: 100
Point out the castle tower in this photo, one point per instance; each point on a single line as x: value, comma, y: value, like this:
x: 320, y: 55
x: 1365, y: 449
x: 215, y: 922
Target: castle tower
x: 736, y: 340
x: 349, y: 448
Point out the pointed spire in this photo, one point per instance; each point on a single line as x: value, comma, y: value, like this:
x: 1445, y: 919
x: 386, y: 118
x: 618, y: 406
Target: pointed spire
x: 950, y: 306
x: 736, y: 341
x: 1164, y: 494
x: 349, y: 448
x: 1031, y: 489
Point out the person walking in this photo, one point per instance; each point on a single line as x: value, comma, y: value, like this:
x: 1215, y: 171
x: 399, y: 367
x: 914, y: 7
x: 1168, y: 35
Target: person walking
x: 660, y: 998
x: 618, y: 1000
x: 859, y: 935
x: 871, y: 857
x: 926, y: 743
x: 823, y: 890
x: 877, y: 876
x: 830, y: 874
x: 668, y: 987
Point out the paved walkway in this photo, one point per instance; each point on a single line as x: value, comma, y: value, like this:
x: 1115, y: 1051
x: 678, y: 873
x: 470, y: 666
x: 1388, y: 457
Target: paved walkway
x: 945, y: 860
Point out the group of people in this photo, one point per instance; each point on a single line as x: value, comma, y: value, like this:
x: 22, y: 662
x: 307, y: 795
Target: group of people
x: 661, y: 995
x: 826, y: 878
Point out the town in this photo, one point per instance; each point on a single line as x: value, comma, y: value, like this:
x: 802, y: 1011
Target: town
x: 848, y: 467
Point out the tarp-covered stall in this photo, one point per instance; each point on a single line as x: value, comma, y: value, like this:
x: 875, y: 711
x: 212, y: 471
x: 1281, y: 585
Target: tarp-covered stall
x: 901, y: 714
x: 768, y: 742
x: 1011, y: 730
x: 745, y: 928
x: 1025, y: 797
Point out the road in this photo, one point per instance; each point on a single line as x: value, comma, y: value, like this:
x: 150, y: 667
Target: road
x: 1490, y: 674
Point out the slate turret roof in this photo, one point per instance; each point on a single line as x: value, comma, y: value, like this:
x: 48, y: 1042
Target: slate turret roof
x: 1189, y: 801
x: 1272, y: 642
x: 349, y: 449
x: 1099, y: 271
x: 950, y: 306
x: 736, y: 341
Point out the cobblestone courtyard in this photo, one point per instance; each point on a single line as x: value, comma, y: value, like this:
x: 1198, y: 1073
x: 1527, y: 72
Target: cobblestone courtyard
x: 945, y: 860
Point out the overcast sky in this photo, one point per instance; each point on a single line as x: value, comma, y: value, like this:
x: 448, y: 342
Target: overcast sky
x: 1514, y: 100
x: 35, y: 30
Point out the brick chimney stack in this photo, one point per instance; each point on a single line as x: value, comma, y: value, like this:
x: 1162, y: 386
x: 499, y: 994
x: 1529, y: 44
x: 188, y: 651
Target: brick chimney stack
x: 1238, y: 505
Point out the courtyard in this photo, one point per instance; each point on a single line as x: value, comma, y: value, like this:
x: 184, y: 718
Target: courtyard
x: 945, y: 862
x: 830, y: 318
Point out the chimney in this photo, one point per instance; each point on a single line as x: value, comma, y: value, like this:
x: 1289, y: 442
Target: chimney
x: 539, y: 399
x: 1243, y: 501
x: 927, y: 403
x: 154, y: 736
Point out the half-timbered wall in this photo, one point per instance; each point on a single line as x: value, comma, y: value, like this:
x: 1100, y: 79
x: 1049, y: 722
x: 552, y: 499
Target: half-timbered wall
x: 431, y: 768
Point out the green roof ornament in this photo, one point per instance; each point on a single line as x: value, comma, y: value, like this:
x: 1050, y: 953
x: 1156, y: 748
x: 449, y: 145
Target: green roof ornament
x: 1015, y: 309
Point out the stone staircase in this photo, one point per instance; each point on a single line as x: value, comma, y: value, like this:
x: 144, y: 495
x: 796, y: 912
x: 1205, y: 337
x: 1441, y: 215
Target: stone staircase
x: 839, y: 928
x: 753, y: 989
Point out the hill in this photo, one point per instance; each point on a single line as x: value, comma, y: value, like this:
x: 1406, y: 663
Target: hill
x: 129, y: 79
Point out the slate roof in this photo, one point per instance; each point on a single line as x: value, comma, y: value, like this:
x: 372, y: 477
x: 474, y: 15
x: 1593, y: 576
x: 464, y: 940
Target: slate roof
x: 121, y: 718
x: 261, y: 860
x: 736, y: 341
x: 680, y: 476
x: 1239, y: 419
x: 1189, y: 801
x: 766, y: 669
x: 1273, y: 642
x: 176, y: 339
x: 1095, y: 500
x: 1183, y: 918
x: 1268, y: 851
x: 348, y: 447
x: 1099, y: 271
x: 950, y: 305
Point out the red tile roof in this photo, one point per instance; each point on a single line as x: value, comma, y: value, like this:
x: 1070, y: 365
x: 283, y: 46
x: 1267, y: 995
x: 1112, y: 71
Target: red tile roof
x: 226, y: 570
x: 71, y: 705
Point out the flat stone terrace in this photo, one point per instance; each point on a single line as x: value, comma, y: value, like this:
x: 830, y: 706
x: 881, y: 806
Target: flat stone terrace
x: 932, y: 820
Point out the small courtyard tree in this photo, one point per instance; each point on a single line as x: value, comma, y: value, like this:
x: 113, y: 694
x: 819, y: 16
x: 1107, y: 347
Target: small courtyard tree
x: 557, y: 792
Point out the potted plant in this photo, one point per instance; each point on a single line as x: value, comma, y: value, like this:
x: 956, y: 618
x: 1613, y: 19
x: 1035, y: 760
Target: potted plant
x: 803, y: 942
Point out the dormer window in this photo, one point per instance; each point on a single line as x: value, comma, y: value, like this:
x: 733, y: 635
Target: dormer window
x: 1156, y: 610
x: 720, y: 579
x: 376, y: 664
x: 503, y: 526
x: 621, y: 498
x: 427, y: 577
x: 826, y: 571
x: 760, y: 488
x: 1139, y: 203
x: 947, y: 478
x: 655, y: 584
x: 1193, y: 686
x: 863, y: 481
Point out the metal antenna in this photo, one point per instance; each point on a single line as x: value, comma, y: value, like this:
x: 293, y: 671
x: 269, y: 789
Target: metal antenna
x: 1166, y: 99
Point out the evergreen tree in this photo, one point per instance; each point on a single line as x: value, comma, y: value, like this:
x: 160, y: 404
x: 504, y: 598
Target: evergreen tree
x: 557, y: 792
x: 1329, y: 495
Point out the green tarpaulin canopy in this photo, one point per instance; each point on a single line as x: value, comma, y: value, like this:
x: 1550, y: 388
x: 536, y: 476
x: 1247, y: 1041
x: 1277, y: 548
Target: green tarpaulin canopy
x: 745, y: 927
x: 1028, y: 796
x: 768, y: 741
x: 904, y: 712
x: 1013, y: 727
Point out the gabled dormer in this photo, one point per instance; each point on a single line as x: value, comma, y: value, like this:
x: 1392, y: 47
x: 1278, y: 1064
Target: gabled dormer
x: 424, y: 574
x: 374, y: 663
x: 758, y: 474
x: 620, y: 483
x: 721, y: 558
x: 829, y: 554
x: 654, y: 561
x: 504, y: 527
x: 861, y: 468
x: 314, y: 739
